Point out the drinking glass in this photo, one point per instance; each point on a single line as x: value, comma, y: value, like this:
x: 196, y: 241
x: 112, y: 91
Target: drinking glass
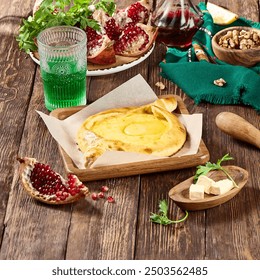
x: 63, y: 64
x: 177, y: 22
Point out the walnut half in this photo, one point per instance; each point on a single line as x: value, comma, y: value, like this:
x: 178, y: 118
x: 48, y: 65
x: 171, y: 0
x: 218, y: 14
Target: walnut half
x: 219, y: 82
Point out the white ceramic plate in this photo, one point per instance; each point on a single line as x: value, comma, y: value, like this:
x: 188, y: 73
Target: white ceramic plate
x: 112, y: 70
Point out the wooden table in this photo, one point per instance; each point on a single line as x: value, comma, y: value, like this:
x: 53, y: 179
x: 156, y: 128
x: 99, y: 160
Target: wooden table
x: 88, y: 230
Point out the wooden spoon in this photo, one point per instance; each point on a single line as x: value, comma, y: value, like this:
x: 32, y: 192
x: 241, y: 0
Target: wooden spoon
x: 180, y: 193
x: 238, y: 128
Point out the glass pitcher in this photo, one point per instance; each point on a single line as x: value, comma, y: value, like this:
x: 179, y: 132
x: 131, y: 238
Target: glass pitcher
x: 177, y: 21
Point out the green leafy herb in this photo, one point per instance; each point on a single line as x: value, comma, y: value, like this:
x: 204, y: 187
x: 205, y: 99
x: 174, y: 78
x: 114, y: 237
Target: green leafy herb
x: 62, y: 12
x: 162, y: 218
x: 204, y: 169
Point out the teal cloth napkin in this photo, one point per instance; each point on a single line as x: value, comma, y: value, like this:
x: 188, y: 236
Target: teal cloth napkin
x: 196, y: 78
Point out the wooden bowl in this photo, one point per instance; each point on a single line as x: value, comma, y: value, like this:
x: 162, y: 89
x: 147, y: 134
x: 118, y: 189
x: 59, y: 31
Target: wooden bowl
x: 180, y: 193
x: 247, y: 58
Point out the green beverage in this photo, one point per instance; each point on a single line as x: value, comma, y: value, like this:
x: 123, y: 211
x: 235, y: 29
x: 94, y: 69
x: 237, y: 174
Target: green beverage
x: 63, y: 64
x: 64, y: 85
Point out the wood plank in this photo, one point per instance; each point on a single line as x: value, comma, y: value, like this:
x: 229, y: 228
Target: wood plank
x: 160, y: 242
x: 230, y: 225
x: 57, y: 226
x: 15, y: 93
x: 248, y: 9
x: 156, y: 242
x: 43, y: 229
x: 108, y: 231
x: 101, y: 230
x: 175, y: 241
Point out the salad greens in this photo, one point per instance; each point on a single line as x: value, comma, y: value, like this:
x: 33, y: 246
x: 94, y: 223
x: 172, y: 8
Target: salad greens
x: 62, y: 12
x: 162, y: 218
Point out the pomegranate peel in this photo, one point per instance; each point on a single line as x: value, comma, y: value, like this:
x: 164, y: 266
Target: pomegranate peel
x: 48, y: 186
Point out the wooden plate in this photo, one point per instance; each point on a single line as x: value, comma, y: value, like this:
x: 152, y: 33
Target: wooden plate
x: 180, y: 193
x: 121, y: 170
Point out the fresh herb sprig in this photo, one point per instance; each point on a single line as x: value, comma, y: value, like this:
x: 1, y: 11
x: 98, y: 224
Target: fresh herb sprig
x: 205, y: 169
x: 162, y: 216
x: 62, y: 12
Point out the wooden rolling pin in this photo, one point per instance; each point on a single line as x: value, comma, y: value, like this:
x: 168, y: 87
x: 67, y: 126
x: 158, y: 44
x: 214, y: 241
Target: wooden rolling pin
x: 238, y: 128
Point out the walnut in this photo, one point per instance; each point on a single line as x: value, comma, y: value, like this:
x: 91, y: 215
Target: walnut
x: 160, y: 85
x: 242, y: 40
x: 219, y: 82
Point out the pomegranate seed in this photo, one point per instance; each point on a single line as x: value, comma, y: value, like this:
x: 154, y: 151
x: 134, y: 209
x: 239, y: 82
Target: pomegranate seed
x: 101, y: 195
x: 72, y: 192
x: 104, y: 189
x: 110, y: 199
x: 94, y: 196
x: 81, y: 186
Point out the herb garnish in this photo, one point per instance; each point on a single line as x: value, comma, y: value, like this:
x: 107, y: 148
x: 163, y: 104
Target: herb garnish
x: 161, y: 217
x: 204, y: 169
x: 61, y: 12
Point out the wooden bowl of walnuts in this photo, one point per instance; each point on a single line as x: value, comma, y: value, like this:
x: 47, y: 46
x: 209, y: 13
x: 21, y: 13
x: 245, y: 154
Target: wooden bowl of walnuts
x: 237, y: 45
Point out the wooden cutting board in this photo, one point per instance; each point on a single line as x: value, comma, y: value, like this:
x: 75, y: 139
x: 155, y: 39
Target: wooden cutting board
x: 122, y: 170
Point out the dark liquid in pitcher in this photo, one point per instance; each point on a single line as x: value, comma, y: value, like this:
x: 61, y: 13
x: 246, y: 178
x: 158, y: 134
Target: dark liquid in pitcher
x: 174, y: 31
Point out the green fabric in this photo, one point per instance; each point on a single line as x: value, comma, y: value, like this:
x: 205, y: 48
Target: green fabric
x: 196, y: 78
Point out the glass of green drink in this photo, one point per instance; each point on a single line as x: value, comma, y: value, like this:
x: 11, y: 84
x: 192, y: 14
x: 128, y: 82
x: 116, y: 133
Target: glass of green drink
x: 63, y: 64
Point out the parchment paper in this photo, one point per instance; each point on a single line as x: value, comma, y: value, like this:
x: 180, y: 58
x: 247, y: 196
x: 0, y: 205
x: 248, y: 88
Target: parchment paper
x: 135, y: 92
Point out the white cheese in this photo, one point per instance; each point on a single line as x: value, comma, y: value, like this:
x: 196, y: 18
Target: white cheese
x: 221, y: 187
x: 196, y: 192
x: 206, y: 182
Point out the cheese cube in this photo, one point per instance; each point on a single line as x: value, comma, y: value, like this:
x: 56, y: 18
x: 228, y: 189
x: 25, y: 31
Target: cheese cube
x: 221, y: 187
x: 206, y: 182
x: 196, y: 192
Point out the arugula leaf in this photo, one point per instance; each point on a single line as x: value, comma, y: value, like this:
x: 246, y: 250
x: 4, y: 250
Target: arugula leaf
x: 161, y: 217
x: 204, y: 169
x: 62, y: 12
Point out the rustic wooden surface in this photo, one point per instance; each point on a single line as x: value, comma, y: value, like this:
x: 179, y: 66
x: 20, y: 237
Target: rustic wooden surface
x: 99, y: 230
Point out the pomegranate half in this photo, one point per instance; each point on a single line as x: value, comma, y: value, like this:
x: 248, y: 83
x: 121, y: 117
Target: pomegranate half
x: 135, y: 40
x: 137, y: 12
x: 48, y: 186
x: 99, y: 48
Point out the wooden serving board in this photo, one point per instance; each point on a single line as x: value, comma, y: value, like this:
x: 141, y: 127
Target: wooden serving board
x: 122, y: 170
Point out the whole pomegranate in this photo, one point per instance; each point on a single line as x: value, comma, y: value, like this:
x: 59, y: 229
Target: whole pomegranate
x: 47, y: 186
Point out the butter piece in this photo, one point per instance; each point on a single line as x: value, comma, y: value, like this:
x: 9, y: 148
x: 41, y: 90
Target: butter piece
x: 221, y: 187
x: 206, y: 182
x: 196, y: 192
